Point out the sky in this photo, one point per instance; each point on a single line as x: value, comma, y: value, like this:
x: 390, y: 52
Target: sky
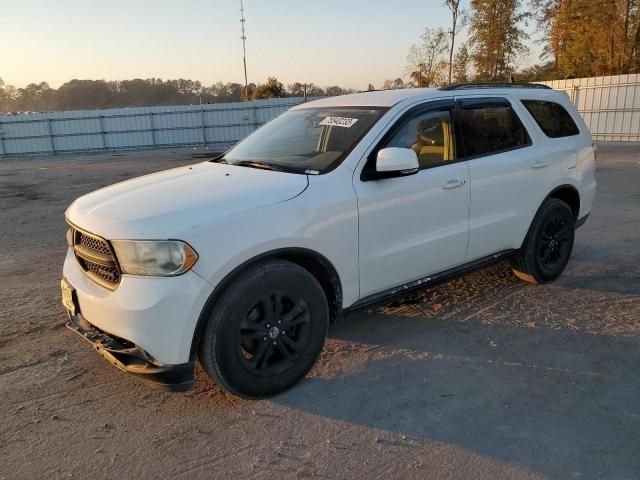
x: 349, y: 43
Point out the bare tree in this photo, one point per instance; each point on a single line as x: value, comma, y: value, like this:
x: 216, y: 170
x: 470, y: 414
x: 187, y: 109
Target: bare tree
x: 425, y: 63
x: 454, y: 8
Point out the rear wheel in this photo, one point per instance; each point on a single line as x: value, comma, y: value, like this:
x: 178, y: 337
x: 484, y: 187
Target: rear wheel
x: 266, y: 330
x: 548, y: 245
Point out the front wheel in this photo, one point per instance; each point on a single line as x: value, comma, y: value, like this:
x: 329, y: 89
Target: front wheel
x: 548, y: 245
x: 266, y: 330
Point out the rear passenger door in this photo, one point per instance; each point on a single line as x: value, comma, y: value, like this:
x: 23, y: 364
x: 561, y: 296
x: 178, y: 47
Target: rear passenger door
x: 504, y: 189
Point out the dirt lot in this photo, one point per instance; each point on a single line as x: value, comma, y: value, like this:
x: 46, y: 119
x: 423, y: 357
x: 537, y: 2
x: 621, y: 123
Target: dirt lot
x: 484, y: 377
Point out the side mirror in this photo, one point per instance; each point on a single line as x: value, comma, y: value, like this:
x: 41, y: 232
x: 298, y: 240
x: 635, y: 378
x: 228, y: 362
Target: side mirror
x: 394, y: 161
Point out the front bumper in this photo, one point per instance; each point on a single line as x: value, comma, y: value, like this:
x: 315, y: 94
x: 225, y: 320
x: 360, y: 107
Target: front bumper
x: 132, y: 359
x: 158, y: 315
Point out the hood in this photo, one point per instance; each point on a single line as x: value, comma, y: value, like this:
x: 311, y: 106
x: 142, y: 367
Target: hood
x: 164, y: 204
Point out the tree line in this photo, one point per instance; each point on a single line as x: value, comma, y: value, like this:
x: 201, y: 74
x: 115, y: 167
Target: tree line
x: 151, y: 92
x: 579, y: 38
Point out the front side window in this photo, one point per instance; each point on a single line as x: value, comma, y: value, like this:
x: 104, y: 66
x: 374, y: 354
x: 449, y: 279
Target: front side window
x: 310, y: 140
x: 552, y: 118
x: 428, y: 134
x: 491, y: 127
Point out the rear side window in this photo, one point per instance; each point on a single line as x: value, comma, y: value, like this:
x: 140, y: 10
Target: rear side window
x: 552, y: 118
x: 490, y: 127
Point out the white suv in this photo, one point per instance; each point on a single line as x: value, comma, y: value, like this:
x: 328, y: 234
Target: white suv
x: 337, y: 204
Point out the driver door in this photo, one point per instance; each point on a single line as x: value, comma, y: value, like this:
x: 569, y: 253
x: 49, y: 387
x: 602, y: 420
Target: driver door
x: 413, y: 226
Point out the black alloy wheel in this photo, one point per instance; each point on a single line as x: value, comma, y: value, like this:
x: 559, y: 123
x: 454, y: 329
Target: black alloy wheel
x: 274, y: 332
x: 265, y: 330
x: 548, y: 245
x: 556, y: 241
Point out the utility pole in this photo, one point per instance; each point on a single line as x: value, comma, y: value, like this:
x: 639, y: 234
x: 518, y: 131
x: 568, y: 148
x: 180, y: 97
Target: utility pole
x: 244, y: 51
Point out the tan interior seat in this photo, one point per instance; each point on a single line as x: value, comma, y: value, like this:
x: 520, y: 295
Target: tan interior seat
x: 433, y: 154
x: 429, y: 154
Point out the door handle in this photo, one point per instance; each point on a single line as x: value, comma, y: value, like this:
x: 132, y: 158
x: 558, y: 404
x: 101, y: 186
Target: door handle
x: 453, y: 183
x: 541, y: 163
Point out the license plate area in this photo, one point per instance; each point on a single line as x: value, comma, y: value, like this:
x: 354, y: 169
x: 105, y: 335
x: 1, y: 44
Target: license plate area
x: 68, y: 297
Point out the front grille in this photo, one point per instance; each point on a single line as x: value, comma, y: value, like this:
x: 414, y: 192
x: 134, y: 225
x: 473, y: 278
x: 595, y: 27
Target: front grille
x: 96, y: 258
x: 96, y: 244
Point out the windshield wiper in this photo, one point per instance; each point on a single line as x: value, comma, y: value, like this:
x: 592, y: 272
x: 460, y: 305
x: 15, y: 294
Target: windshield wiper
x: 219, y: 159
x: 261, y: 165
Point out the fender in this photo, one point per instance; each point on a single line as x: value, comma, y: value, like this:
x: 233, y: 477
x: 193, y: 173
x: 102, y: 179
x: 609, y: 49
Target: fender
x: 305, y: 258
x: 566, y: 192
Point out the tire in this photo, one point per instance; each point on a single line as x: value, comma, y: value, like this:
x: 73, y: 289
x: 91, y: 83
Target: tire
x: 246, y: 350
x: 548, y: 245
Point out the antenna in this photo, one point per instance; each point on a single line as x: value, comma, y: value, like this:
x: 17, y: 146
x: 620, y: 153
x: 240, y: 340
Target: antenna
x: 244, y: 50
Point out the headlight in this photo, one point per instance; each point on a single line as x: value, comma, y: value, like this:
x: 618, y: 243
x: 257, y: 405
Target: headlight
x: 164, y: 258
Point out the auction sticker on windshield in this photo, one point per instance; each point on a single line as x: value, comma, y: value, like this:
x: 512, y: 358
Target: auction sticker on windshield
x: 339, y: 122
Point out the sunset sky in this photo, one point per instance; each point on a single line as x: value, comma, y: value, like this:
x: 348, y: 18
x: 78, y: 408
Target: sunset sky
x: 350, y: 43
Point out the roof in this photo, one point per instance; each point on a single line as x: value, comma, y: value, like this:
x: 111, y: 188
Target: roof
x: 377, y: 98
x: 389, y: 98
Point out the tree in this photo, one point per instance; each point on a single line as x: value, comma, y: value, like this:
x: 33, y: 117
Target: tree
x: 461, y: 64
x: 590, y: 37
x: 538, y: 73
x: 271, y: 89
x: 454, y: 8
x: 298, y: 89
x: 295, y: 89
x: 221, y: 92
x: 76, y: 94
x: 495, y: 37
x: 32, y: 96
x: 334, y: 91
x: 393, y: 84
x: 315, y: 91
x: 425, y: 62
x: 138, y: 92
x: 7, y: 97
x: 632, y: 35
x: 246, y: 93
x: 3, y: 96
x: 398, y: 83
x: 544, y: 13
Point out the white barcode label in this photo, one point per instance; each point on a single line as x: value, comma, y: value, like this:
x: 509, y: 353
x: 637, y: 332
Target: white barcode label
x: 339, y: 122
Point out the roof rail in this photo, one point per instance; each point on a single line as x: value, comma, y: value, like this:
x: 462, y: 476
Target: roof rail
x: 465, y: 86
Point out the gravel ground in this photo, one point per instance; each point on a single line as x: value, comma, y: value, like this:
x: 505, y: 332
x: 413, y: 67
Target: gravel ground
x: 484, y: 377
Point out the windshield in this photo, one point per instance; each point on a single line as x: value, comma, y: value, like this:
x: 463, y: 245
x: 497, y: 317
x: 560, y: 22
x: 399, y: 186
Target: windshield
x: 312, y: 141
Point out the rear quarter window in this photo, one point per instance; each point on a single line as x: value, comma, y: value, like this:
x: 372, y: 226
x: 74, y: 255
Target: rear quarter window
x: 552, y: 118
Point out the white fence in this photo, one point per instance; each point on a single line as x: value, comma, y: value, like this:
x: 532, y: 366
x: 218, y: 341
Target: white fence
x: 610, y: 106
x: 216, y: 125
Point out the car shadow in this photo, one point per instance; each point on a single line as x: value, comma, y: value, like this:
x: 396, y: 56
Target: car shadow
x: 560, y: 402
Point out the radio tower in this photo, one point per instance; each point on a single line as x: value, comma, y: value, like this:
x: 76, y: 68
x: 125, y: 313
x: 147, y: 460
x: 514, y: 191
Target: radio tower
x: 244, y: 51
